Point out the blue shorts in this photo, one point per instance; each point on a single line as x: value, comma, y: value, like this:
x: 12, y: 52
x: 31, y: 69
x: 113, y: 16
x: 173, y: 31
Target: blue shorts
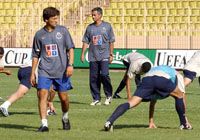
x: 59, y: 84
x: 154, y: 87
x: 189, y: 74
x: 24, y: 75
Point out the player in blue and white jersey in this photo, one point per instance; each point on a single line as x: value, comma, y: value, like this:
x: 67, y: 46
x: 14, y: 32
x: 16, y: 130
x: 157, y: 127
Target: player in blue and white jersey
x: 159, y: 83
x: 54, y: 47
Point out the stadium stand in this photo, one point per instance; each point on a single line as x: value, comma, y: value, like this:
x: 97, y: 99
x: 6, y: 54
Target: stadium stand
x: 162, y: 24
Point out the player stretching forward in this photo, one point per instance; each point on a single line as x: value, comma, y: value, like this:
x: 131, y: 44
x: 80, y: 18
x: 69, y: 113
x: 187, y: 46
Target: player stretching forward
x: 136, y: 64
x: 159, y: 82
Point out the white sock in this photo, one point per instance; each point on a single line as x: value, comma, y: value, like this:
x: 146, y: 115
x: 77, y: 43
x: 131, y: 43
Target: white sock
x: 65, y: 117
x: 6, y: 104
x: 44, y: 122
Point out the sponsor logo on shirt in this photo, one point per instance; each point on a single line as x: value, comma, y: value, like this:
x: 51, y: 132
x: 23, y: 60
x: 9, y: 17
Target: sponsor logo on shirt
x: 97, y: 40
x: 58, y: 35
x: 51, y: 50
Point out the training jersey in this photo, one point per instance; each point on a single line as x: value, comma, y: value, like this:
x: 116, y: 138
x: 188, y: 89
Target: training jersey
x: 194, y: 64
x: 135, y: 60
x: 99, y: 38
x: 163, y: 71
x: 51, y: 48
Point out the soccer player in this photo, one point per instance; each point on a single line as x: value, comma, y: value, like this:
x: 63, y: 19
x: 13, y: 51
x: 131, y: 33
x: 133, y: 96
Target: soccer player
x: 159, y: 83
x: 2, y: 70
x: 100, y: 38
x: 136, y: 64
x: 24, y: 74
x: 192, y: 68
x: 54, y: 47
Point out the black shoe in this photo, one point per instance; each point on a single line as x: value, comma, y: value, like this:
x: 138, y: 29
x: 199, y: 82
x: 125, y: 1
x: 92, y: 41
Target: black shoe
x: 66, y: 125
x: 51, y: 113
x: 116, y: 96
x: 43, y: 129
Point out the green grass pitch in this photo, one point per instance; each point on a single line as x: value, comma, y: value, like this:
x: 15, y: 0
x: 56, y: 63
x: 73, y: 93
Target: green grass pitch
x: 87, y: 121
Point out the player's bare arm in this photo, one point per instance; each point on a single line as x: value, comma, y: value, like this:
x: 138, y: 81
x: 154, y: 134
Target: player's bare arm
x: 70, y: 68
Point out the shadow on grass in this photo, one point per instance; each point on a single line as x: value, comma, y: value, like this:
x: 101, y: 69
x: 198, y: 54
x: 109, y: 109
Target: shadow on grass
x: 121, y: 126
x: 74, y: 102
x: 23, y: 113
x: 17, y: 126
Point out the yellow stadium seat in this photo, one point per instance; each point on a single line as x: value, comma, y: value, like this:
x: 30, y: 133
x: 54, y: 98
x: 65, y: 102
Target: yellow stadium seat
x: 22, y: 5
x: 149, y: 19
x: 151, y: 12
x: 135, y: 4
x: 180, y: 11
x: 116, y: 12
x: 170, y: 4
x: 170, y: 19
x: 10, y: 12
x: 185, y: 19
x: 106, y: 18
x: 108, y: 11
x: 173, y: 11
x: 130, y: 26
x: 163, y: 4
x: 183, y: 26
x: 113, y: 5
x: 113, y: 19
x: 195, y: 12
x: 14, y: 5
x: 156, y: 19
x: 127, y: 19
x: 140, y: 19
x: 159, y: 12
x: 193, y: 4
x: 129, y: 12
x: 193, y: 19
x: 139, y: 26
x: 161, y: 26
x: 117, y: 26
x: 185, y: 4
x: 7, y: 5
x: 142, y: 4
x: 134, y: 19
x: 1, y: 19
x: 119, y: 19
x: 149, y: 4
x: 156, y: 5
x: 128, y: 5
x: 178, y: 4
x: 120, y: 5
x: 177, y: 19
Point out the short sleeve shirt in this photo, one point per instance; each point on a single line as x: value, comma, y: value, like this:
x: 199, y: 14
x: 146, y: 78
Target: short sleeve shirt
x: 135, y: 60
x: 194, y: 64
x: 99, y: 39
x: 51, y: 48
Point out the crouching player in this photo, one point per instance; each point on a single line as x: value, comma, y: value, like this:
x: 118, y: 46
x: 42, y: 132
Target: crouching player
x: 161, y: 82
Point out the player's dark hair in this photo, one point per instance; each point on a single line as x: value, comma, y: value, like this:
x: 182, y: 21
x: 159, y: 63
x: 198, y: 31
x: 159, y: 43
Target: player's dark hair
x: 98, y: 9
x: 50, y: 12
x: 1, y: 50
x: 146, y: 67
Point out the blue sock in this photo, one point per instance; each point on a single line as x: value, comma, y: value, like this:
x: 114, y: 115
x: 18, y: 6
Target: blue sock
x: 120, y: 110
x: 180, y: 109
